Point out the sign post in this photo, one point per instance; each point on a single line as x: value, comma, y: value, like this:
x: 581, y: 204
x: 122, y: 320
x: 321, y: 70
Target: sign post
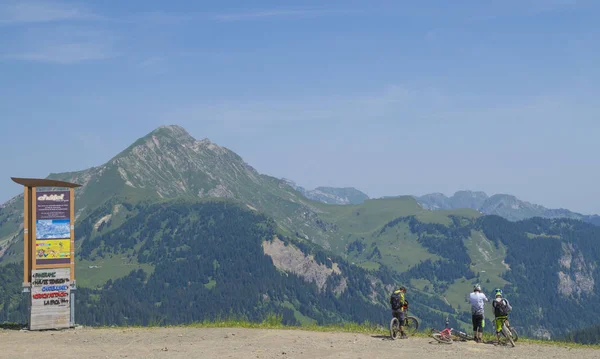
x: 49, y: 253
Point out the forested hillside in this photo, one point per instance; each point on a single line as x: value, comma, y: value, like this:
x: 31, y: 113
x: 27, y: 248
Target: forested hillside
x: 553, y: 271
x: 585, y: 336
x: 206, y: 261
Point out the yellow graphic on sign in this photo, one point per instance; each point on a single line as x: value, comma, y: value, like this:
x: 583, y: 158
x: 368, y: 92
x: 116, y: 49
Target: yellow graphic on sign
x: 53, y: 249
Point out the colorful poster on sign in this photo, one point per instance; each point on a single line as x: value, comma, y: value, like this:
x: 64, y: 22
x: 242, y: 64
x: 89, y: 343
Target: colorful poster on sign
x: 53, y: 227
x: 53, y: 249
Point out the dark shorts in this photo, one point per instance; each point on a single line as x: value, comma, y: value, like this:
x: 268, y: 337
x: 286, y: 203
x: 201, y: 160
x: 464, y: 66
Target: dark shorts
x: 477, y: 322
x: 400, y: 315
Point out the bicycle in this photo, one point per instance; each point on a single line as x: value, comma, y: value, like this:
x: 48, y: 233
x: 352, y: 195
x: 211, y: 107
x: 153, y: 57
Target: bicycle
x: 411, y: 325
x: 448, y: 335
x: 509, y: 333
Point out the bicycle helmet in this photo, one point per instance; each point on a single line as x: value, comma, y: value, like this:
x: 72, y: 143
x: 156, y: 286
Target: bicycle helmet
x: 477, y: 287
x: 498, y: 292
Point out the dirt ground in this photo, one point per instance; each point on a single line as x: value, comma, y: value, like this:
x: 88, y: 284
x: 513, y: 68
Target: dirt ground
x: 253, y: 343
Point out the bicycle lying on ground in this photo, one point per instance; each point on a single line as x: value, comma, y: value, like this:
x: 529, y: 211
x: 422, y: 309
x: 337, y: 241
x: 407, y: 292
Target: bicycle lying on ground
x: 508, y: 333
x: 411, y: 325
x: 448, y: 335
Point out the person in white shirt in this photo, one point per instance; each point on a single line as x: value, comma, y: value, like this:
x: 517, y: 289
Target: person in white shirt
x: 477, y: 300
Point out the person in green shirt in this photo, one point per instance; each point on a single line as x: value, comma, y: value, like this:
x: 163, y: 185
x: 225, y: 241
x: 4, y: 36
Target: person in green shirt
x: 501, y: 309
x: 399, y: 305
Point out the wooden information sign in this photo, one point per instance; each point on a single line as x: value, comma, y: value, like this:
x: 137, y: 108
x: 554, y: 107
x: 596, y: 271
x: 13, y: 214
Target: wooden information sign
x: 49, y: 253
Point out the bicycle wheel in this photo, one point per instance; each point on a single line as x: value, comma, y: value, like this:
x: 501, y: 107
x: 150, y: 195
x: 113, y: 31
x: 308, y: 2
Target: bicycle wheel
x: 463, y: 335
x: 394, y: 328
x: 442, y: 338
x: 411, y: 325
x: 515, y: 336
x: 507, y: 334
x: 512, y: 330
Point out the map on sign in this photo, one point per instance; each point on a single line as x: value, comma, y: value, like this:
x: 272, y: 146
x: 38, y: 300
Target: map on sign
x: 53, y: 229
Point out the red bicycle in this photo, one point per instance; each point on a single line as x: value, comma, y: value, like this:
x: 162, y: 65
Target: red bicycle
x: 447, y: 335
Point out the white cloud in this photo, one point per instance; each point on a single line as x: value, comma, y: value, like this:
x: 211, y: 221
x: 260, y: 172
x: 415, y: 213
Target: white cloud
x: 151, y: 61
x: 23, y: 12
x: 516, y: 8
x: 154, y: 18
x: 154, y: 65
x: 424, y: 110
x: 41, y: 33
x: 65, y: 53
x: 257, y: 14
x: 62, y: 45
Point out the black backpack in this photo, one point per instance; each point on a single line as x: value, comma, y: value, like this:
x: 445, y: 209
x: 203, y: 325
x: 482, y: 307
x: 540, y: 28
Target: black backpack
x: 500, y: 308
x: 395, y: 301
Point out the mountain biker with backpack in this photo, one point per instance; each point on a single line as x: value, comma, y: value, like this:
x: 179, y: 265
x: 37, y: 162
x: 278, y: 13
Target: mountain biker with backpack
x: 399, y: 305
x: 477, y: 300
x: 501, y: 309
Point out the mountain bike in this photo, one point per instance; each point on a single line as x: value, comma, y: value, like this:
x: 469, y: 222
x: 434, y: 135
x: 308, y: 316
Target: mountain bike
x: 411, y: 325
x: 448, y: 335
x: 509, y: 333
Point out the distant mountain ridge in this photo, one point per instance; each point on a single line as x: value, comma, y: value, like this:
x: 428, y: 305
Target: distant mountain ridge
x: 503, y: 205
x: 331, y: 195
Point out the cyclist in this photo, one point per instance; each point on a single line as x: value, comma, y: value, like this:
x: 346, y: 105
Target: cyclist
x: 399, y: 305
x: 501, y: 309
x: 477, y: 300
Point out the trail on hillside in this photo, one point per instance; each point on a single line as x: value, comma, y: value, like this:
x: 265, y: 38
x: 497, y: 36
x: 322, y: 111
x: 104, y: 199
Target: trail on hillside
x: 253, y: 343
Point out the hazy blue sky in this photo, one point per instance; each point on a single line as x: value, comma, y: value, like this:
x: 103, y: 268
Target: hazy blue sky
x: 392, y: 97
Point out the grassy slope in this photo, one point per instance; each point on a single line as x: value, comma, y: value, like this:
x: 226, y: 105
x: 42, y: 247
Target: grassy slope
x: 11, y: 219
x: 104, y: 269
x: 398, y: 246
x: 487, y: 260
x: 399, y: 249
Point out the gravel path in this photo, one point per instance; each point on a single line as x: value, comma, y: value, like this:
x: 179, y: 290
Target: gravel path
x: 253, y: 343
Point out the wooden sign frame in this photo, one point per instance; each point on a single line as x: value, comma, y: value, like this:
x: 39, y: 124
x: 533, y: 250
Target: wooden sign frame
x: 30, y: 264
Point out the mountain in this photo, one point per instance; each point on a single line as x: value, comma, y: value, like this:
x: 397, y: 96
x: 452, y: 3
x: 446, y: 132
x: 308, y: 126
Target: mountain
x: 331, y: 195
x: 173, y: 230
x: 165, y: 164
x: 169, y: 165
x: 504, y: 205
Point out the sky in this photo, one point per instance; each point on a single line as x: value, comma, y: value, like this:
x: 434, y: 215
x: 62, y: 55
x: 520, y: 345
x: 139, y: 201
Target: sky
x: 390, y: 97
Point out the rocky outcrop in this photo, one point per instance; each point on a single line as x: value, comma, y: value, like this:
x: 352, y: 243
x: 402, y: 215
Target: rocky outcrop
x: 291, y: 259
x: 576, y: 275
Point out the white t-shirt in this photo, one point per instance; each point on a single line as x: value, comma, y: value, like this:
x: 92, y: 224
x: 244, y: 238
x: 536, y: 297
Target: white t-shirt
x: 477, y: 299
